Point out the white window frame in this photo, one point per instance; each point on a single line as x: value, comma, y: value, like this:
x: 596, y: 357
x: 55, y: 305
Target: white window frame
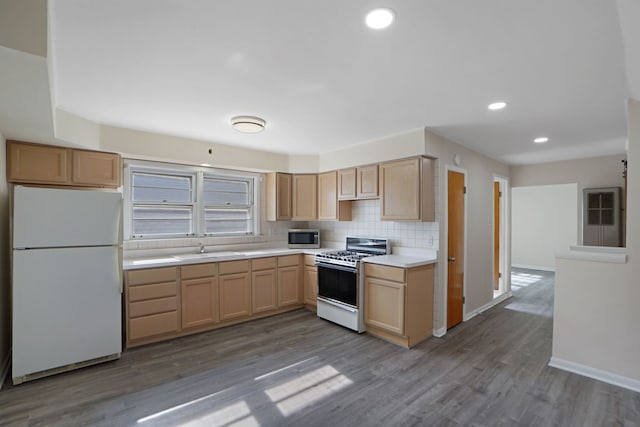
x: 198, y: 173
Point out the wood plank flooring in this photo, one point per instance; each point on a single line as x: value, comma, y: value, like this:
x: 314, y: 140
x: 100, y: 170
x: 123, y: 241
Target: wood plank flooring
x: 297, y: 370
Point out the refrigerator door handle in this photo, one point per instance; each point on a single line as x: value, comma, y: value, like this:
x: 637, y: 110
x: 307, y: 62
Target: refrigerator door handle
x: 120, y: 270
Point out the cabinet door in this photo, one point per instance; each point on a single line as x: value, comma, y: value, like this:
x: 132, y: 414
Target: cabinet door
x: 96, y: 168
x: 310, y: 285
x: 384, y: 305
x: 327, y: 198
x: 289, y: 289
x: 305, y: 197
x: 400, y: 190
x: 263, y: 290
x: 347, y: 184
x: 367, y: 182
x: 235, y: 296
x: 39, y: 164
x: 199, y: 302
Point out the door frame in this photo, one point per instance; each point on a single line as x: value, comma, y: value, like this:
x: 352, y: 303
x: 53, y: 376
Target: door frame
x: 445, y: 252
x: 505, y: 236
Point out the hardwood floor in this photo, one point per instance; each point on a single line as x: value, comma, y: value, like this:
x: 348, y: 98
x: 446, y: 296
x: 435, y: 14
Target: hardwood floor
x: 295, y: 369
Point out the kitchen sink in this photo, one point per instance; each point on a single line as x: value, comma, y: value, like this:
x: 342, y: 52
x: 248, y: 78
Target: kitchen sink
x: 207, y: 255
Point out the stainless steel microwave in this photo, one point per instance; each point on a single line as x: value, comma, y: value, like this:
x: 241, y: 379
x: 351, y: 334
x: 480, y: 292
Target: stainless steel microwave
x: 304, y: 238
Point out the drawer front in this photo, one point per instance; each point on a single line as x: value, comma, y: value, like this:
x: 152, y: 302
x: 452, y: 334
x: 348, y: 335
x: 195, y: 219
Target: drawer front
x: 152, y: 275
x: 154, y: 306
x: 196, y: 271
x: 160, y: 290
x: 309, y: 260
x: 153, y: 325
x: 263, y: 263
x: 229, y: 267
x: 394, y: 274
x: 288, y: 260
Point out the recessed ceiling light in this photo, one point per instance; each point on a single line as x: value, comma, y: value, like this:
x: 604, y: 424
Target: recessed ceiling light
x: 541, y: 140
x: 497, y: 105
x: 380, y: 18
x: 248, y: 124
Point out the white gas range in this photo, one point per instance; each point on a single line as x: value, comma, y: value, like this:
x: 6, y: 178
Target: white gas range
x: 341, y: 281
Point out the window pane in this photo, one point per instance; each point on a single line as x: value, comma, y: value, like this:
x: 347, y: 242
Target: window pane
x: 161, y: 188
x: 162, y: 220
x: 226, y: 192
x: 228, y: 221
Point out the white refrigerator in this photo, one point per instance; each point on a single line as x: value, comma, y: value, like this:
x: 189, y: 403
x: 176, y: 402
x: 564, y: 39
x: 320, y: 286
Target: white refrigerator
x: 66, y: 280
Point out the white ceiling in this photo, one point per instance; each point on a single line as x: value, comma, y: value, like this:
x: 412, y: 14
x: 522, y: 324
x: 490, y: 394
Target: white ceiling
x: 323, y: 80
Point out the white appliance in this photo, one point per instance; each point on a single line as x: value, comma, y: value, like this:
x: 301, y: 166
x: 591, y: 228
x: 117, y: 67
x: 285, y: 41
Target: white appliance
x: 66, y: 280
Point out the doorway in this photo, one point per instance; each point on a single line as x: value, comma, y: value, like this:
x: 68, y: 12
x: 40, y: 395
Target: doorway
x: 455, y: 246
x: 500, y: 269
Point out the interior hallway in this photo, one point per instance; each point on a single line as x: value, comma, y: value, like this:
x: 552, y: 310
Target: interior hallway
x: 295, y: 369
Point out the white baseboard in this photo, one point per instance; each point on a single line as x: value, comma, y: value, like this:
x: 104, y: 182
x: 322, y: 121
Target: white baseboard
x: 487, y: 306
x: 4, y: 368
x: 596, y: 374
x: 533, y: 267
x: 439, y: 333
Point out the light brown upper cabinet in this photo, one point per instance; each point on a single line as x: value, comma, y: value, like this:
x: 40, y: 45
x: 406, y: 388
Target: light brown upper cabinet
x: 358, y: 183
x: 305, y: 199
x: 406, y: 188
x: 329, y: 208
x: 95, y: 168
x: 279, y: 186
x: 46, y: 164
x: 347, y: 184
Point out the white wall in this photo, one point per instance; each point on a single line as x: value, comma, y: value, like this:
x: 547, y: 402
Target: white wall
x: 480, y: 171
x: 5, y: 297
x: 591, y: 172
x: 596, y: 313
x: 543, y: 222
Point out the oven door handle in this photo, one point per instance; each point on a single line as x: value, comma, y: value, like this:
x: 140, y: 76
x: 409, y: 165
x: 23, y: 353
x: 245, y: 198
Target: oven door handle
x: 337, y: 304
x: 336, y: 267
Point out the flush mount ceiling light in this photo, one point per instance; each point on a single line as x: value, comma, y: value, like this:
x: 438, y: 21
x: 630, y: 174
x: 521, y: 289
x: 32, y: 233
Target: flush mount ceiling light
x: 248, y: 124
x: 380, y: 18
x: 541, y: 140
x: 497, y: 105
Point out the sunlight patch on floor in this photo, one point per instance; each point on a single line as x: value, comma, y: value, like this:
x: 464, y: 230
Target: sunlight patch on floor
x: 307, y: 389
x: 179, y: 407
x: 237, y: 414
x: 519, y: 280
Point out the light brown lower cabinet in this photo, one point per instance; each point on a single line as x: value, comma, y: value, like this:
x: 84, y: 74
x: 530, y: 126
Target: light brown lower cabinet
x: 310, y: 282
x: 398, y: 303
x: 152, y: 304
x: 235, y: 295
x: 199, y: 291
x: 167, y: 302
x: 290, y: 290
x: 264, y: 290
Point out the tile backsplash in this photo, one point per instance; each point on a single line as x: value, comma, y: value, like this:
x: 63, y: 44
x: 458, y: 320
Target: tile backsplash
x: 366, y: 223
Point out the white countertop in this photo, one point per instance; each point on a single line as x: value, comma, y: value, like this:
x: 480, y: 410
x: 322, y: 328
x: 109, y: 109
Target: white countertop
x: 213, y: 256
x: 402, y: 261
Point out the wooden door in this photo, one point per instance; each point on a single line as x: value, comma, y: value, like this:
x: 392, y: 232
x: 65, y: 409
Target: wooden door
x: 400, y: 190
x: 496, y: 235
x: 455, y: 248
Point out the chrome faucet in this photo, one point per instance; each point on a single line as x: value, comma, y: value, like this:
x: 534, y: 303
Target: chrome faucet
x: 203, y: 250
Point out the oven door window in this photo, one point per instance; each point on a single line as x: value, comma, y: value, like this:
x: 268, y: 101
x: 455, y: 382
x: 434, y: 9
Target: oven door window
x: 338, y: 284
